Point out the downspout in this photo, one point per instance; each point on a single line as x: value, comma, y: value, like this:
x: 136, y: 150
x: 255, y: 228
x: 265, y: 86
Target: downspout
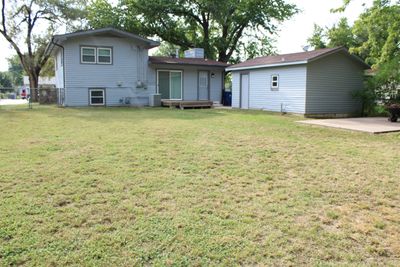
x: 63, y: 66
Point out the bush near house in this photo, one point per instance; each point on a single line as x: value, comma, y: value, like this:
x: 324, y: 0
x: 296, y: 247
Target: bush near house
x: 133, y: 187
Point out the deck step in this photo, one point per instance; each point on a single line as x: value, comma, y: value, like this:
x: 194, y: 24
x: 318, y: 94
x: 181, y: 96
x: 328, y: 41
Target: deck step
x: 182, y: 104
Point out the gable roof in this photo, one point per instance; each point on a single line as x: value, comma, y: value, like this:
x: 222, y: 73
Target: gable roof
x: 109, y: 31
x: 187, y: 61
x: 292, y: 59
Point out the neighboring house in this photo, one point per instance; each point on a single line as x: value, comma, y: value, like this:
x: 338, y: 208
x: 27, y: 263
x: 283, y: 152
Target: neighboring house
x: 314, y: 83
x: 44, y: 82
x: 112, y: 67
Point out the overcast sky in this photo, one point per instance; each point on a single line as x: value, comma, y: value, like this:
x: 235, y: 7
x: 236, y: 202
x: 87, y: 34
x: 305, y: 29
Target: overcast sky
x: 293, y: 33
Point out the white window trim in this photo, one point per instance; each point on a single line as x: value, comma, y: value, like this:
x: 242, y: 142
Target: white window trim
x: 272, y: 81
x: 170, y: 71
x: 97, y: 90
x: 97, y: 55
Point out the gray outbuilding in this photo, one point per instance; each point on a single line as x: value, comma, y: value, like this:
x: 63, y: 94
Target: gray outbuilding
x: 313, y: 83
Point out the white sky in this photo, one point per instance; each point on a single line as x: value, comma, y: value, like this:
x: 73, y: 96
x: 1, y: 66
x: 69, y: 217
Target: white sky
x: 293, y: 33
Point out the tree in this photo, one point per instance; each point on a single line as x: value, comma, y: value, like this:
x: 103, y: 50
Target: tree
x: 254, y: 46
x: 216, y: 26
x: 167, y: 49
x: 317, y: 40
x: 25, y: 20
x: 341, y: 34
x: 5, y: 80
x: 15, y: 70
x: 380, y: 27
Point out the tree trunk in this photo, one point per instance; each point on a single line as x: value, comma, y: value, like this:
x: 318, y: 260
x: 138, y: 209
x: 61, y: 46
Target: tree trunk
x: 34, y: 87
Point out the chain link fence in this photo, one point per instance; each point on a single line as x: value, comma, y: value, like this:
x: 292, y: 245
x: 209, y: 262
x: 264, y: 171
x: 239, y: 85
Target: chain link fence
x: 43, y: 96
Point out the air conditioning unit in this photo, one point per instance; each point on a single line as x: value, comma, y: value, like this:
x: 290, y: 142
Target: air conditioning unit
x: 155, y: 100
x: 194, y: 53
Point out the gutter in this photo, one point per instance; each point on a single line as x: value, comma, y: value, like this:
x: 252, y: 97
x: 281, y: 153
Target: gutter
x: 267, y: 66
x: 63, y: 53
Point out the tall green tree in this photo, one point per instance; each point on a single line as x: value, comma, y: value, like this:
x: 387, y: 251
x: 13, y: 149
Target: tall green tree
x: 380, y: 27
x: 341, y: 34
x: 318, y: 38
x: 216, y: 26
x: 28, y: 26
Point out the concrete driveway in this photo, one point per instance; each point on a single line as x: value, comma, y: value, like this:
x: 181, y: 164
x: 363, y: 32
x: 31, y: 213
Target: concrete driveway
x: 4, y: 102
x: 370, y: 125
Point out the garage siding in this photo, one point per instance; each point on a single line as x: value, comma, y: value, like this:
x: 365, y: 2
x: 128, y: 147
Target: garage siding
x: 331, y: 83
x: 290, y: 97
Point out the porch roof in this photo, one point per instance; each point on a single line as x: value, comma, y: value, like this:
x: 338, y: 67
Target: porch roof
x: 187, y: 61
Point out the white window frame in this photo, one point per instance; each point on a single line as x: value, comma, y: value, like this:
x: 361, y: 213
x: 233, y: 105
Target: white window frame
x: 97, y: 90
x: 274, y: 87
x: 170, y: 71
x: 98, y: 54
x: 95, y: 55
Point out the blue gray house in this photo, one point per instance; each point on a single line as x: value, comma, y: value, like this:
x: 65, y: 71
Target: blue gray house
x: 110, y: 67
x: 313, y: 83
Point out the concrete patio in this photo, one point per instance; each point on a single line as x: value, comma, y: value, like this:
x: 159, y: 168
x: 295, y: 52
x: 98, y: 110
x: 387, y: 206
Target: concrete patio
x: 375, y: 125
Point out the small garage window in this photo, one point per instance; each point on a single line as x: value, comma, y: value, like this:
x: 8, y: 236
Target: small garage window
x: 274, y: 82
x: 96, y: 97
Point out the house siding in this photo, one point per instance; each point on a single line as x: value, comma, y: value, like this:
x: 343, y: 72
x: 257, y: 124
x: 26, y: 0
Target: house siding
x: 59, y: 69
x: 190, y: 80
x: 129, y: 62
x: 331, y: 81
x: 290, y: 97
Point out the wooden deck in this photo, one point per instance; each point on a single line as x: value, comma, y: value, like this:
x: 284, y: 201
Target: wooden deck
x: 182, y: 104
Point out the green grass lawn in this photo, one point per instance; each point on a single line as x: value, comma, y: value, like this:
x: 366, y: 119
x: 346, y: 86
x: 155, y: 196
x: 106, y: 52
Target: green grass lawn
x: 127, y: 187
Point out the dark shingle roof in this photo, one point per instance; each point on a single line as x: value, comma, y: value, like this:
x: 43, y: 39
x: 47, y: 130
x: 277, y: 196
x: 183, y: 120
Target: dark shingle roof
x: 187, y: 61
x: 302, y: 57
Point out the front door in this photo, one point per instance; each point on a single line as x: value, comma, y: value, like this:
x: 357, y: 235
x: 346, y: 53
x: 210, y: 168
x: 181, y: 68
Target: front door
x: 244, y: 91
x: 203, y: 86
x: 169, y: 84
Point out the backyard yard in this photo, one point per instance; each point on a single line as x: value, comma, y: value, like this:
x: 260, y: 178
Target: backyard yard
x: 128, y: 187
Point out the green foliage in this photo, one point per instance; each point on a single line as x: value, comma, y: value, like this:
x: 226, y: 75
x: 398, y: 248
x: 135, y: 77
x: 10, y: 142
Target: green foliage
x: 19, y: 26
x: 5, y: 80
x: 341, y: 35
x: 375, y: 35
x: 379, y: 29
x: 216, y: 26
x: 167, y: 49
x: 317, y: 40
x: 386, y: 81
x: 253, y: 47
x: 15, y: 70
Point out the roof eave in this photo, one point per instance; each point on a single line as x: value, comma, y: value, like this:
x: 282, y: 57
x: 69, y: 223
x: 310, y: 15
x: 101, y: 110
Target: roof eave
x: 187, y: 64
x: 267, y: 66
x: 345, y: 50
x: 150, y: 43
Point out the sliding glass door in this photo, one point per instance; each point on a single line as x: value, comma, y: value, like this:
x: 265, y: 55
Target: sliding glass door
x: 169, y: 84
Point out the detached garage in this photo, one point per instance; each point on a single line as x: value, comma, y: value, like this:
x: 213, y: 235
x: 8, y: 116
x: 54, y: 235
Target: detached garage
x: 314, y: 83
